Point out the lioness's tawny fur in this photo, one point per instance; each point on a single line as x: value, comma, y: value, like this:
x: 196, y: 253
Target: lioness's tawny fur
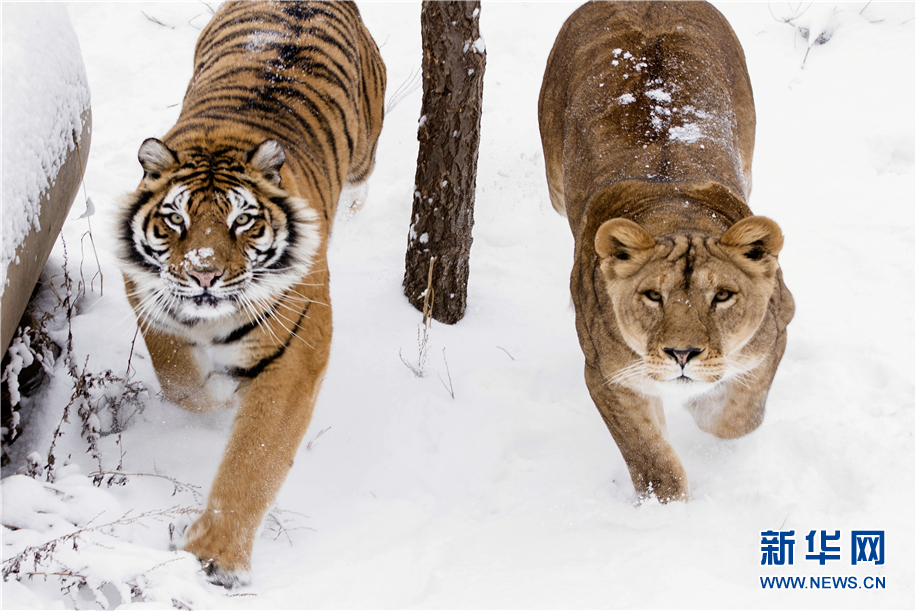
x: 647, y: 123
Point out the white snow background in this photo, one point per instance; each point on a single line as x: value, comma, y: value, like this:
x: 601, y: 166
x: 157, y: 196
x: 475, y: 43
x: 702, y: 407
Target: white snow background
x: 511, y: 494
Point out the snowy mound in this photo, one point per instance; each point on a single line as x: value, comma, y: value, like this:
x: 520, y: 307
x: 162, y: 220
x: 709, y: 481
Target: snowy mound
x: 44, y: 93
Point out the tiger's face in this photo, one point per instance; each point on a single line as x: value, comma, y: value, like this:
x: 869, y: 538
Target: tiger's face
x: 212, y: 236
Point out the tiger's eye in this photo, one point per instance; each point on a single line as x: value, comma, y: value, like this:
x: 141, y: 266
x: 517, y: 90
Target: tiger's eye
x: 176, y: 219
x: 242, y: 219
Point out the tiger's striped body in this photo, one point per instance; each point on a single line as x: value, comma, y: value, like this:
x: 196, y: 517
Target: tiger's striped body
x: 224, y: 242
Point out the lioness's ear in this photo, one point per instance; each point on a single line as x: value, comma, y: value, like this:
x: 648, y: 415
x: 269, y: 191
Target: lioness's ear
x: 620, y: 238
x: 267, y: 158
x: 755, y: 236
x: 155, y: 157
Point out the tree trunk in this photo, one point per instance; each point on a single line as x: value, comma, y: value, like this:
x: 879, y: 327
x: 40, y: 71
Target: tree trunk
x: 439, y: 243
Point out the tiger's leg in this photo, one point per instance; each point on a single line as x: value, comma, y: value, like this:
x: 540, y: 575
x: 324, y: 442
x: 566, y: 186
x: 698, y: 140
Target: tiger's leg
x: 179, y: 372
x: 637, y: 425
x: 276, y: 407
x: 178, y: 367
x: 371, y: 108
x: 353, y: 198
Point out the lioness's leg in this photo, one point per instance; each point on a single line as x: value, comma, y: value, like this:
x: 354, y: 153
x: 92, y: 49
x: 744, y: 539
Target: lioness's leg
x: 641, y: 436
x: 737, y: 408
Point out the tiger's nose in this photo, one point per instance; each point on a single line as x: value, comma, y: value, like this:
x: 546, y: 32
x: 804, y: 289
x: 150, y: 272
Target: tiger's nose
x: 205, y: 278
x: 682, y: 356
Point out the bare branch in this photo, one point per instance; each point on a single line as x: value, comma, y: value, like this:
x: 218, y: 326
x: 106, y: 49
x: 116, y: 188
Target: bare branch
x: 507, y: 352
x: 119, y: 478
x: 154, y: 20
x: 449, y: 388
x: 312, y: 443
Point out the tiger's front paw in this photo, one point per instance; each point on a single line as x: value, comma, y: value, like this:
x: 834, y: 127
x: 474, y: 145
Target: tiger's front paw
x: 223, y: 576
x: 221, y: 549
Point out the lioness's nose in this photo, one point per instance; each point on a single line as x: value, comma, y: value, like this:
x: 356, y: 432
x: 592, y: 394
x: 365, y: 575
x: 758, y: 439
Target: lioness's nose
x: 682, y: 356
x: 205, y: 278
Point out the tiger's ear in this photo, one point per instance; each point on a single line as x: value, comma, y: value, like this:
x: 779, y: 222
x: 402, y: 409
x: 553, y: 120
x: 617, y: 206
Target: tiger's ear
x: 754, y: 238
x: 621, y: 239
x: 267, y: 158
x: 155, y: 157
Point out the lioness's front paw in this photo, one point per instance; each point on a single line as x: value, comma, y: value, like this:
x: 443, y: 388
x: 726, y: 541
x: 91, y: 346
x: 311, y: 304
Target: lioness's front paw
x: 665, y: 487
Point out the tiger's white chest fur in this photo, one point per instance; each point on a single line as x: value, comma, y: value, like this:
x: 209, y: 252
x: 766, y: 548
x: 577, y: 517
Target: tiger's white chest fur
x: 215, y: 362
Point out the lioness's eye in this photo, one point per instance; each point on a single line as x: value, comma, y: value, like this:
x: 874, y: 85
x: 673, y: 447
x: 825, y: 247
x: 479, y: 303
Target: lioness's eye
x: 242, y: 219
x: 176, y: 219
x: 653, y: 296
x: 722, y: 296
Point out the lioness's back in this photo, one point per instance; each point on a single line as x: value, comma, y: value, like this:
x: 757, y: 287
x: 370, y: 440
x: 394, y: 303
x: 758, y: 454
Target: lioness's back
x: 631, y: 85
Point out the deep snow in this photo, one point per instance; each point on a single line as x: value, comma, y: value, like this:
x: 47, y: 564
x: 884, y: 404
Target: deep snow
x: 513, y: 493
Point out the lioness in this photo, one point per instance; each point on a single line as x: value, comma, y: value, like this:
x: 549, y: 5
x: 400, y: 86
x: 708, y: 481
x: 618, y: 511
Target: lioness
x: 647, y: 122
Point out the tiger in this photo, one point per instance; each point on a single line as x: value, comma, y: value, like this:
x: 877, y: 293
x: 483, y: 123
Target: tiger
x: 223, y: 245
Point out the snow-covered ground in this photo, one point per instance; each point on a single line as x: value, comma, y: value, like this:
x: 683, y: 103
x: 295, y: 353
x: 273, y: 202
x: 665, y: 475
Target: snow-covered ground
x: 512, y: 493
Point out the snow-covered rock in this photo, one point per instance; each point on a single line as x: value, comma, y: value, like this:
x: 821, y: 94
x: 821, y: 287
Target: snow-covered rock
x: 46, y: 132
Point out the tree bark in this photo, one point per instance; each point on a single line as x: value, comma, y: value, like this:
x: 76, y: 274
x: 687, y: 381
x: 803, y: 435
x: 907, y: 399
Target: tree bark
x: 454, y: 58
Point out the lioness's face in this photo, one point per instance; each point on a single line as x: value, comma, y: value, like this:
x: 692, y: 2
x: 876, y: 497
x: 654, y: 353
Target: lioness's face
x: 687, y: 304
